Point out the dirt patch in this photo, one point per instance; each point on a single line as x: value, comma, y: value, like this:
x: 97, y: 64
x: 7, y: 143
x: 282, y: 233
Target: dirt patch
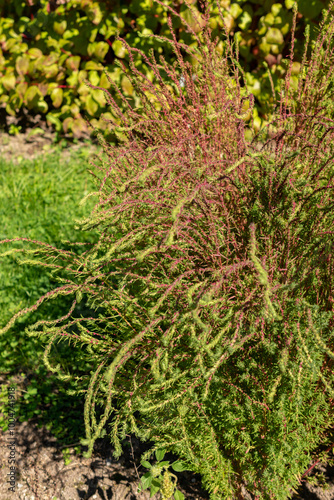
x: 42, y: 473
x: 17, y: 148
x: 37, y: 138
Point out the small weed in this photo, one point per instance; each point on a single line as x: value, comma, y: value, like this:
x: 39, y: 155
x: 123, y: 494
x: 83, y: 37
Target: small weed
x: 66, y: 456
x: 14, y: 129
x: 159, y: 480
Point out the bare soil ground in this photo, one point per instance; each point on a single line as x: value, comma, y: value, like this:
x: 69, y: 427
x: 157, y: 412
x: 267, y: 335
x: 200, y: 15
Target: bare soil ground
x: 29, y: 145
x: 42, y: 473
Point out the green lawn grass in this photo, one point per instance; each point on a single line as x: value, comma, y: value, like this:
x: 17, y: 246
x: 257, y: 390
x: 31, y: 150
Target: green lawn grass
x: 39, y: 199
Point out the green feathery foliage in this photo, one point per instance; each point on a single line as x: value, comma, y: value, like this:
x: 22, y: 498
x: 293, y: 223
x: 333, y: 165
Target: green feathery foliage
x: 212, y: 279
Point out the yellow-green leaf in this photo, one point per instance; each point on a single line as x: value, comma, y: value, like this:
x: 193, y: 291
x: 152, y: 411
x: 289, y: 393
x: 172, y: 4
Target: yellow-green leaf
x: 90, y: 49
x: 32, y: 96
x: 83, y: 91
x: 274, y: 36
x: 104, y: 82
x: 73, y: 79
x: 51, y: 59
x: 34, y: 53
x: 195, y: 19
x: 43, y: 87
x: 36, y: 65
x: 93, y: 35
x: 22, y: 65
x: 119, y: 49
x: 65, y: 109
x: 94, y: 13
x: 57, y: 97
x: 91, y: 105
x: 10, y: 110
x: 99, y: 97
x: 67, y: 124
x: 21, y: 89
x: 127, y: 86
x: 235, y: 10
x: 73, y: 63
x: 60, y: 27
x: 101, y: 49
x: 245, y: 20
x: 51, y: 71
x: 295, y: 69
x: 74, y: 109
x: 53, y: 120
x: 60, y: 76
x: 8, y: 81
x: 83, y: 75
x: 42, y: 106
x: 79, y: 127
x: 93, y: 65
x: 51, y: 86
x: 94, y: 77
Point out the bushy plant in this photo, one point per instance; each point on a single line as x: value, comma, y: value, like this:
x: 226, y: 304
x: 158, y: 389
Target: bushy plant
x: 212, y: 276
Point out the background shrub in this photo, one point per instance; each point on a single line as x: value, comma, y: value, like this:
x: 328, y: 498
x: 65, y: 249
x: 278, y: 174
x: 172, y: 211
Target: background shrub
x: 49, y: 48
